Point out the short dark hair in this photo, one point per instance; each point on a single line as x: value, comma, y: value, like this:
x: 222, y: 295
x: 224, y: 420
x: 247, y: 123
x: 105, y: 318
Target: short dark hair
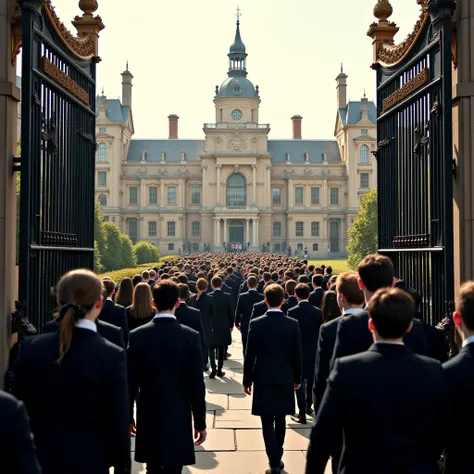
x: 376, y: 271
x: 303, y: 279
x: 183, y: 278
x: 329, y: 270
x: 318, y: 280
x: 109, y: 285
x: 165, y: 295
x: 347, y: 285
x: 290, y: 286
x: 216, y: 282
x: 267, y: 276
x: 252, y: 282
x: 391, y: 310
x: 274, y: 295
x: 183, y: 291
x: 465, y: 304
x: 302, y: 291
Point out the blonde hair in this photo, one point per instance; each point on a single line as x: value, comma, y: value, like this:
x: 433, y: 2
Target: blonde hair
x: 141, y: 305
x: 77, y: 292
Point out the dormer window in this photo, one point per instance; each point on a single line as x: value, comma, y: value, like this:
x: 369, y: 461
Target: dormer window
x: 183, y: 156
x: 324, y: 156
x: 364, y: 131
x: 306, y: 156
x: 288, y: 156
x: 102, y: 130
x: 163, y: 156
x: 143, y: 155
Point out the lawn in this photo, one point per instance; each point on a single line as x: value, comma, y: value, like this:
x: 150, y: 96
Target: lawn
x: 338, y: 266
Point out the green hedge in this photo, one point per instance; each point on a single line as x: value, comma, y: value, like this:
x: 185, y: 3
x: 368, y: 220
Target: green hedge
x: 119, y: 275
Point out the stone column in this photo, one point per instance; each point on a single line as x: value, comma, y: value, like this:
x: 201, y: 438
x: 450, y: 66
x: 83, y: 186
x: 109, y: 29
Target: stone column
x: 204, y: 183
x: 142, y: 231
x: 225, y: 230
x: 216, y: 242
x: 325, y: 197
x: 291, y: 194
x: 143, y: 196
x: 254, y: 185
x: 9, y: 99
x: 247, y: 231
x: 307, y: 195
x: 218, y: 185
x: 255, y: 232
x: 163, y: 203
x: 268, y: 187
x: 218, y: 233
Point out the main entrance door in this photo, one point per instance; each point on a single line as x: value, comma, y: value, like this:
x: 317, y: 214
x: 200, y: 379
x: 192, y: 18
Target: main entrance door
x: 334, y: 236
x: 236, y: 231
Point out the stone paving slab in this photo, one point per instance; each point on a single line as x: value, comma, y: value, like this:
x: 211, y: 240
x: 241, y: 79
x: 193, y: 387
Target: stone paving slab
x: 252, y: 440
x: 243, y: 419
x: 240, y: 402
x: 217, y: 401
x: 218, y: 440
x: 225, y: 385
x: 233, y: 364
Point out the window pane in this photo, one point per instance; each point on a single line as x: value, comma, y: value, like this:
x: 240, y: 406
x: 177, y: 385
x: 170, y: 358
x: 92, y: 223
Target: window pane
x: 102, y: 178
x: 236, y: 192
x: 299, y: 247
x: 102, y: 152
x: 132, y: 229
x: 314, y: 229
x: 196, y: 195
x: 277, y: 229
x: 315, y: 247
x: 133, y: 195
x: 365, y: 131
x: 103, y: 200
x: 171, y: 229
x: 299, y: 195
x: 170, y: 246
x: 102, y: 129
x: 196, y: 228
x: 364, y: 180
x: 171, y: 195
x: 152, y: 228
x: 315, y: 196
x: 364, y: 154
x: 276, y: 195
x: 334, y: 195
x: 153, y: 195
x: 299, y: 229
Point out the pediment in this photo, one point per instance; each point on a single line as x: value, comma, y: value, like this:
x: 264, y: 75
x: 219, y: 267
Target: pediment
x: 103, y: 136
x: 365, y: 138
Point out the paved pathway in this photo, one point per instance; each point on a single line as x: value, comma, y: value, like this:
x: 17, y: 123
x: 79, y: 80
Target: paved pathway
x: 235, y: 444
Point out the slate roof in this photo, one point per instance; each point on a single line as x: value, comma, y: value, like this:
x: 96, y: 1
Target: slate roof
x: 115, y: 111
x: 194, y: 148
x: 352, y: 114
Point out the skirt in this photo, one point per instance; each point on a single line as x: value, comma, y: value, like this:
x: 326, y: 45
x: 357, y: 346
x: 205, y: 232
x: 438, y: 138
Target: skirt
x: 273, y: 400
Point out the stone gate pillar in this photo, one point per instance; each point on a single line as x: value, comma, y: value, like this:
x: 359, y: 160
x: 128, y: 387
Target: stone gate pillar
x: 9, y: 99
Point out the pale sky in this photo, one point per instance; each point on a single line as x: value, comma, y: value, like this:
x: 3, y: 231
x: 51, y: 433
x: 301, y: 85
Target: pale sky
x: 177, y: 52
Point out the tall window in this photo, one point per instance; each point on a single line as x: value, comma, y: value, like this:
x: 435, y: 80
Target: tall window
x: 276, y: 196
x: 102, y: 129
x: 299, y: 247
x: 102, y: 200
x: 299, y: 193
x: 315, y: 247
x: 334, y: 196
x: 277, y: 229
x: 196, y: 229
x: 102, y: 152
x: 195, y: 195
x: 315, y: 196
x: 170, y: 246
x: 172, y: 195
x: 102, y: 178
x: 132, y: 229
x: 152, y: 229
x: 364, y: 155
x: 171, y: 229
x: 364, y: 131
x: 299, y: 227
x: 364, y: 180
x: 133, y: 190
x: 236, y: 193
x: 153, y: 195
x: 314, y: 229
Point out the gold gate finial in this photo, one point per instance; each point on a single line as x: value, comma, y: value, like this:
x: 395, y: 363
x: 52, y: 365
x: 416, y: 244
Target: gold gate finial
x: 88, y: 6
x: 383, y: 10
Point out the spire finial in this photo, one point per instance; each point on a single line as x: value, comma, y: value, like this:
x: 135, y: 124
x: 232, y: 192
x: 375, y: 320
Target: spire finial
x: 126, y: 65
x: 103, y: 90
x: 365, y: 95
x: 238, y: 14
x: 342, y: 68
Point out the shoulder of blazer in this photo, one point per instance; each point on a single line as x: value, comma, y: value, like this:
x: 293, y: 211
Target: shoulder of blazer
x: 108, y: 325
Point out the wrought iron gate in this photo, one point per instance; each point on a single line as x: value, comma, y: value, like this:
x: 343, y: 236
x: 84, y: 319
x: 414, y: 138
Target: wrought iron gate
x: 414, y: 159
x: 58, y: 157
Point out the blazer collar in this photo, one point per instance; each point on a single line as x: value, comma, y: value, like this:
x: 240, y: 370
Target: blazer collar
x: 391, y: 350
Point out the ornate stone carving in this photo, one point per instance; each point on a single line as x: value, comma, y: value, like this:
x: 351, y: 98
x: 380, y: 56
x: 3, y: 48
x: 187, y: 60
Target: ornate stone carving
x: 236, y: 142
x: 411, y: 86
x: 236, y: 168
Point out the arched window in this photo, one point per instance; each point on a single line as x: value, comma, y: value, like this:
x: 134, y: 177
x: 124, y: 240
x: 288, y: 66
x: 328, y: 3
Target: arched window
x: 364, y: 155
x: 102, y: 200
x: 102, y: 152
x: 236, y: 191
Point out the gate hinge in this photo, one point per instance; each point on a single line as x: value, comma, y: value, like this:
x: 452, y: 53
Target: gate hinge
x: 17, y: 163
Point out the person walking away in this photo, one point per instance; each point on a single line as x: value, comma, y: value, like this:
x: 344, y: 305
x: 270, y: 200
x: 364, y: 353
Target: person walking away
x: 273, y: 366
x: 113, y: 313
x: 165, y: 364
x: 141, y: 310
x: 74, y: 386
x: 316, y: 296
x: 390, y: 405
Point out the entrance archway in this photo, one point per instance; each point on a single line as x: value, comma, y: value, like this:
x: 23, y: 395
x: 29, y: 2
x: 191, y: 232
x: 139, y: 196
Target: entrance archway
x: 236, y: 231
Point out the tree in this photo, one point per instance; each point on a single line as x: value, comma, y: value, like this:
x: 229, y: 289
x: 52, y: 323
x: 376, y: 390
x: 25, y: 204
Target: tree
x: 112, y: 258
x: 128, y: 252
x: 363, y: 238
x: 146, y: 252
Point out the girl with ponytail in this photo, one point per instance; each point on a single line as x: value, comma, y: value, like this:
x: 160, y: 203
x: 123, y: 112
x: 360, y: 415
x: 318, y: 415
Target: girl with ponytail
x: 73, y: 384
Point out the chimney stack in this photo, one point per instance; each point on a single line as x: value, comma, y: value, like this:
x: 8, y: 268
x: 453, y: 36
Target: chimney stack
x: 173, y: 120
x: 296, y: 119
x: 341, y: 89
x: 127, y: 87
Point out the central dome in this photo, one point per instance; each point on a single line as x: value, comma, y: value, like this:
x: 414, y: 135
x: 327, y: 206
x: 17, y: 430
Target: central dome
x: 237, y: 87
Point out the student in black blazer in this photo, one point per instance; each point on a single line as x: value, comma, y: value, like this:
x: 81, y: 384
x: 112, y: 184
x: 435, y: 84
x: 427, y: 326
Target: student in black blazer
x: 165, y: 366
x: 244, y: 308
x: 309, y: 319
x: 114, y: 313
x: 205, y: 304
x: 458, y: 372
x: 259, y: 309
x: 353, y: 336
x: 273, y: 365
x: 221, y: 328
x: 391, y: 405
x: 291, y: 300
x: 316, y: 296
x: 17, y: 446
x: 74, y: 385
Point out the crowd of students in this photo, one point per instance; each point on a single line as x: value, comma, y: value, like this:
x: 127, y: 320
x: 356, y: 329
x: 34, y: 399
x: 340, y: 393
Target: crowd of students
x: 347, y: 349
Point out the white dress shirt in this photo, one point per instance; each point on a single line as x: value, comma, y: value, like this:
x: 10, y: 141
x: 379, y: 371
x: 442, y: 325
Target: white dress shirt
x: 164, y: 315
x: 468, y: 340
x: 87, y: 324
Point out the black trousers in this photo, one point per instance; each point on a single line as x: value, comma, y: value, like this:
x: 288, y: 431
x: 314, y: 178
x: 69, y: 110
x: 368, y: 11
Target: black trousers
x: 274, y: 430
x: 244, y: 340
x: 205, y: 354
x: 220, y: 357
x: 154, y: 469
x: 304, y: 395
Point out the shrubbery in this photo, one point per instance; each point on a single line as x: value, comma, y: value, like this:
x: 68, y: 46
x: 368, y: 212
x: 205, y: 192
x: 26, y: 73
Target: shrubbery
x: 119, y: 275
x: 146, y: 252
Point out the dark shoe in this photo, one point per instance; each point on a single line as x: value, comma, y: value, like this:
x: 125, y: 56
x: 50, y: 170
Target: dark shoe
x: 309, y: 411
x: 212, y: 375
x: 220, y: 373
x: 228, y: 354
x: 206, y: 369
x: 282, y: 465
x: 299, y: 419
x: 275, y: 470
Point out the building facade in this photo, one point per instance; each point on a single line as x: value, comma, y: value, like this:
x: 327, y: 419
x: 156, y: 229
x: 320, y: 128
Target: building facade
x: 236, y: 184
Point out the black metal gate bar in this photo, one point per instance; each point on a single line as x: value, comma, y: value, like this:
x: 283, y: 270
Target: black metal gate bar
x: 58, y: 162
x: 414, y: 164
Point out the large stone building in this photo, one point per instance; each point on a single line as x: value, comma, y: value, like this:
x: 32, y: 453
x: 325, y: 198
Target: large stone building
x: 236, y: 184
